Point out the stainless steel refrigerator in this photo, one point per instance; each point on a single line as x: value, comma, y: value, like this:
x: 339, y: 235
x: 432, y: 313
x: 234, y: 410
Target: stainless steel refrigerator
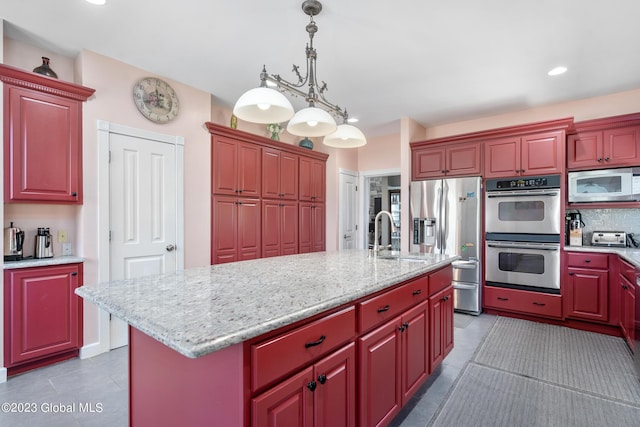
x: 445, y: 218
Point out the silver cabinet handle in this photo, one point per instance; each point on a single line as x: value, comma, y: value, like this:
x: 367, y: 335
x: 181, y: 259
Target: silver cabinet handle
x: 170, y: 248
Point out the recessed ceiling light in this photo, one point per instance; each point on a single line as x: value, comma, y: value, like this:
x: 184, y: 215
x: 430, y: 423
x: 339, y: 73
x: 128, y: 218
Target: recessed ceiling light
x: 97, y: 2
x: 557, y: 71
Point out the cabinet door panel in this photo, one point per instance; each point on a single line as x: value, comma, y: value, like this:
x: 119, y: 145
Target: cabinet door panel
x: 289, y: 228
x: 335, y: 400
x: 289, y: 176
x: 224, y: 229
x: 542, y: 153
x: 463, y: 160
x: 502, y: 158
x: 415, y: 367
x: 249, y: 170
x: 621, y: 146
x: 587, y: 294
x: 223, y: 166
x: 305, y: 227
x: 270, y: 173
x: 45, y: 153
x: 249, y: 231
x: 584, y: 150
x: 287, y: 404
x: 380, y: 375
x: 43, y: 311
x: 319, y: 180
x: 270, y: 229
x: 428, y: 163
x: 436, y: 350
x: 318, y: 227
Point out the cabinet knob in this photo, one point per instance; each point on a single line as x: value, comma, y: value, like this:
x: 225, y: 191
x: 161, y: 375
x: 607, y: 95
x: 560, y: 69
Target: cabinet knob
x: 442, y: 171
x: 606, y: 159
x: 406, y: 325
x: 571, y: 273
x: 522, y: 170
x: 587, y: 261
x: 416, y: 292
x: 599, y: 159
x: 322, y: 378
x: 311, y: 385
x: 74, y: 273
x: 541, y: 304
x: 74, y: 194
x: 503, y: 299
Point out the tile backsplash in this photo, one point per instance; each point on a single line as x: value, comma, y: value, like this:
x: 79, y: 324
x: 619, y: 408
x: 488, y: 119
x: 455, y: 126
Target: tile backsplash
x: 627, y: 220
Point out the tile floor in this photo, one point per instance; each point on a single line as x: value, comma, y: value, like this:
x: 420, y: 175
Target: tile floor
x: 93, y: 392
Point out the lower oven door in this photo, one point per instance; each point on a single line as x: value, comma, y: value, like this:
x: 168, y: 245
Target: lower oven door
x: 534, y: 266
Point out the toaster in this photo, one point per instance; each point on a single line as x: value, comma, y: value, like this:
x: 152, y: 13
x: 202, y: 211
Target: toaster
x: 609, y: 238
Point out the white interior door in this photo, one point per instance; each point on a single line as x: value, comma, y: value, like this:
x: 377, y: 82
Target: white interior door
x: 348, y: 209
x: 143, y: 213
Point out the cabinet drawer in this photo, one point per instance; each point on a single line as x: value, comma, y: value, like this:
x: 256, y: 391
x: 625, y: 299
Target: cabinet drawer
x: 278, y: 356
x: 379, y: 309
x: 589, y: 260
x: 535, y: 303
x: 440, y: 280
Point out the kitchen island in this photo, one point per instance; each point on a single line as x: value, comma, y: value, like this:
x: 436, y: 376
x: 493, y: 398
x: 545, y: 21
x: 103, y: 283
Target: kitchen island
x: 214, y: 345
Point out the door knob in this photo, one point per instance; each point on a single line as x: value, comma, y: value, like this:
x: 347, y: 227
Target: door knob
x: 170, y: 248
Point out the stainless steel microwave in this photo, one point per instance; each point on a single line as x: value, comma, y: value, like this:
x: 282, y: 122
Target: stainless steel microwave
x: 604, y: 185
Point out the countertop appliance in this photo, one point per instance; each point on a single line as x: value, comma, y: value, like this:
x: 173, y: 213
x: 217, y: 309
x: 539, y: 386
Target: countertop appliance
x: 609, y: 238
x: 13, y: 240
x: 522, y: 224
x: 573, y: 226
x: 445, y: 218
x: 604, y: 185
x: 44, y: 245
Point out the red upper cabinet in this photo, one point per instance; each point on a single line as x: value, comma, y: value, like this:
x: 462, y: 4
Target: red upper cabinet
x: 236, y: 167
x: 312, y: 180
x: 279, y: 174
x: 42, y: 138
x: 43, y: 315
x: 527, y: 155
x: 605, y: 143
x: 438, y: 160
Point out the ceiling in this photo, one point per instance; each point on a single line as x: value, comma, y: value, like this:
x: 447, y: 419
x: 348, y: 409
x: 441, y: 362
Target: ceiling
x: 431, y: 60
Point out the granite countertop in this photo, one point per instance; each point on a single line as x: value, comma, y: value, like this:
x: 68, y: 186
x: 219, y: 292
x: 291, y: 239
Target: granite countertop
x: 201, y: 310
x: 629, y: 254
x: 41, y: 262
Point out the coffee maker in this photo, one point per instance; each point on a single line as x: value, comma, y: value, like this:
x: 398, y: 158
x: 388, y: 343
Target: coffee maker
x: 573, y: 226
x: 44, y: 246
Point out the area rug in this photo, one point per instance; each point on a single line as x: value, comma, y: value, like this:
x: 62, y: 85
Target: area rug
x: 532, y: 374
x: 586, y: 361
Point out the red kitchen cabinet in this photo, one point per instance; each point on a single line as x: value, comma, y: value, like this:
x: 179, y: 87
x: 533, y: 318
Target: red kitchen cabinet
x: 235, y: 167
x: 279, y: 174
x: 586, y: 294
x: 236, y: 229
x: 534, y: 154
x: 394, y: 363
x: 312, y: 180
x: 441, y: 326
x: 312, y: 227
x: 628, y: 302
x: 42, y: 138
x: 605, y: 143
x: 527, y: 302
x: 42, y: 314
x: 279, y: 228
x: 322, y: 395
x: 439, y: 160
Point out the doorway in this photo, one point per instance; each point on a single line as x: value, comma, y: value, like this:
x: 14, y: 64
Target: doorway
x: 142, y: 199
x: 381, y: 191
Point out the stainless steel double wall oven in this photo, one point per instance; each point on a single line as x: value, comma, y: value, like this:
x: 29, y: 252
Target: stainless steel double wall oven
x: 522, y: 226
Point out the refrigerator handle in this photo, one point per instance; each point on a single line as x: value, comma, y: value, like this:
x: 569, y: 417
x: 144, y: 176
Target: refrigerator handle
x: 444, y: 220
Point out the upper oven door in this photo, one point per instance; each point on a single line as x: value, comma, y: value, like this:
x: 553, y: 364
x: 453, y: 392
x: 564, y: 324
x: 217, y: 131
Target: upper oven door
x: 526, y: 211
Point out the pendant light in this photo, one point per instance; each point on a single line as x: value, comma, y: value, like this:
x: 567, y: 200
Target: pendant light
x: 269, y: 105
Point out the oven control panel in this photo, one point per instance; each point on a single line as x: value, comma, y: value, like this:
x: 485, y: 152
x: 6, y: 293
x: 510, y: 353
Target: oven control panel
x: 520, y: 183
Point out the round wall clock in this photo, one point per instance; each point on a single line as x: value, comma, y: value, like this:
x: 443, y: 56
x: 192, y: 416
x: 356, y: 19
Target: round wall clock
x: 156, y: 100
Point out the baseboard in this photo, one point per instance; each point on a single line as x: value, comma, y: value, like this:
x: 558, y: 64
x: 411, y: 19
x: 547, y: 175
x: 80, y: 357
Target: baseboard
x: 3, y: 375
x: 91, y: 350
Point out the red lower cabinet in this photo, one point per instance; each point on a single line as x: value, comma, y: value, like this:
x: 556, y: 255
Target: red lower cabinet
x: 322, y: 395
x: 393, y: 365
x: 441, y: 331
x: 42, y: 314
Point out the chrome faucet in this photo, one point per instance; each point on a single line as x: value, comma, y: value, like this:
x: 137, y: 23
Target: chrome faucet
x: 376, y: 231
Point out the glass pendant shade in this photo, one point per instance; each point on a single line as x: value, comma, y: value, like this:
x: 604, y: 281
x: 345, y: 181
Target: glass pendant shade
x: 346, y: 136
x: 263, y: 105
x: 311, y: 121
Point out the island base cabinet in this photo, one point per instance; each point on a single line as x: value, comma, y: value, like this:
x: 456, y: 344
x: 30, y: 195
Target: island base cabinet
x: 169, y: 389
x: 323, y: 395
x: 394, y: 363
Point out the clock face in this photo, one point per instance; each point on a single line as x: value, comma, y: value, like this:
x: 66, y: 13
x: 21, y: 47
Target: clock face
x: 156, y: 100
